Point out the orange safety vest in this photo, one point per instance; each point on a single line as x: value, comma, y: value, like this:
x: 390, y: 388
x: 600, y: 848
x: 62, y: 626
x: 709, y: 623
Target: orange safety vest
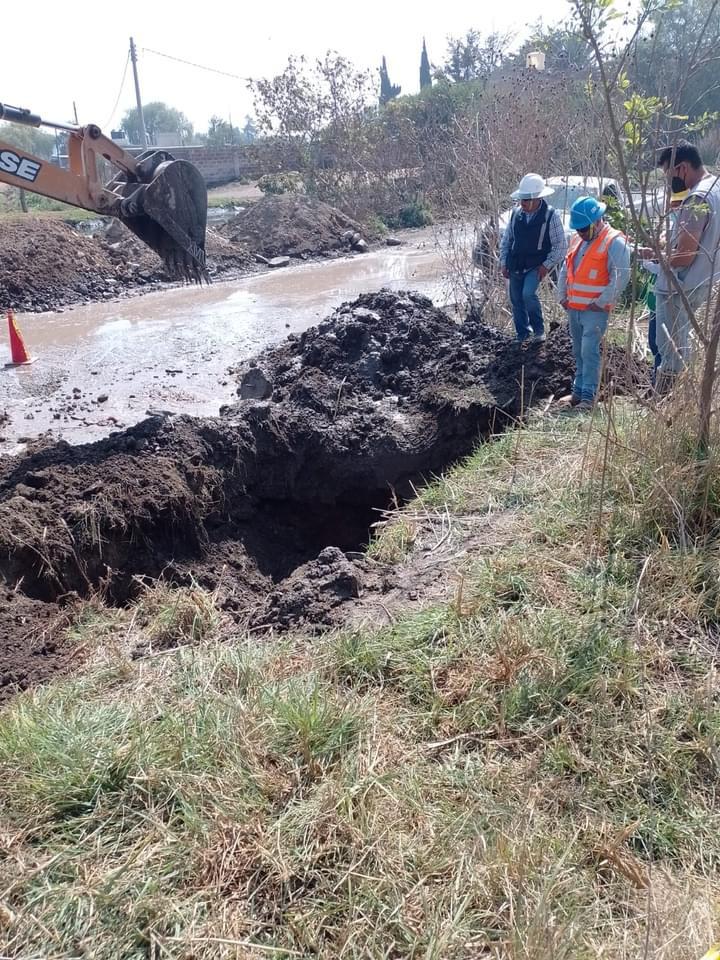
x: 592, y: 276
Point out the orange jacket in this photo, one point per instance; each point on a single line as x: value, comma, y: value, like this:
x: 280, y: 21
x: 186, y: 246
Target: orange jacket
x: 592, y: 276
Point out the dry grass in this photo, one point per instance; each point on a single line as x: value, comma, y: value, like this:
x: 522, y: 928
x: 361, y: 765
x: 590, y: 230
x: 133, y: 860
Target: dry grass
x: 527, y: 770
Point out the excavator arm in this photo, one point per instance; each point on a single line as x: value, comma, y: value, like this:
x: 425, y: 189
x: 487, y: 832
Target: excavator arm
x: 162, y: 200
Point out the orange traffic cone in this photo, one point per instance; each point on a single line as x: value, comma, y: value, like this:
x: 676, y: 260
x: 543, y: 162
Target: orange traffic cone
x: 18, y: 351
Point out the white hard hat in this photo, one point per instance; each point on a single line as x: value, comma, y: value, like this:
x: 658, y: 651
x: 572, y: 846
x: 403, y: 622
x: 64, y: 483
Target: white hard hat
x: 532, y: 187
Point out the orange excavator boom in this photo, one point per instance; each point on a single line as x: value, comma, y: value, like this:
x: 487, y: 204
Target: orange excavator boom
x: 161, y: 199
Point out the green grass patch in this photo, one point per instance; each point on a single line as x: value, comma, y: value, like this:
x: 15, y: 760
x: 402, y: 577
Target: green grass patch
x: 524, y: 768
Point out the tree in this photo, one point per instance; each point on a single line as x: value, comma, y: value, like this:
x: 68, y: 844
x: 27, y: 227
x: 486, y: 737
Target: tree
x: 637, y: 123
x: 425, y: 75
x: 250, y: 130
x: 220, y: 133
x: 676, y: 35
x: 473, y: 57
x: 35, y: 141
x: 159, y: 118
x: 388, y: 91
x: 563, y: 44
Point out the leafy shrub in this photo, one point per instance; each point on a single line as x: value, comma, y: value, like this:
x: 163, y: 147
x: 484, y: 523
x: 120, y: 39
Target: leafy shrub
x: 277, y: 183
x: 415, y: 214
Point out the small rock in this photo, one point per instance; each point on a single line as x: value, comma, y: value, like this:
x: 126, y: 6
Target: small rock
x: 36, y: 480
x: 365, y: 315
x: 279, y: 262
x: 393, y: 242
x: 102, y: 398
x: 115, y: 231
x: 360, y: 246
x: 93, y: 489
x: 255, y: 385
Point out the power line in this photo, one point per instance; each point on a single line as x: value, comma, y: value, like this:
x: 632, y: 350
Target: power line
x: 117, y: 99
x: 198, y: 66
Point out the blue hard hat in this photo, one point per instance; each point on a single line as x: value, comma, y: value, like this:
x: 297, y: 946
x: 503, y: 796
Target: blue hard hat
x: 586, y: 211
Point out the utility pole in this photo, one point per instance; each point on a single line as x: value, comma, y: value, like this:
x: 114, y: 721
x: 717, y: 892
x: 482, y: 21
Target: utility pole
x: 77, y: 123
x: 141, y: 116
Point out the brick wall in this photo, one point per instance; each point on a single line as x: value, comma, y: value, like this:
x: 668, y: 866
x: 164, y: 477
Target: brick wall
x: 222, y: 164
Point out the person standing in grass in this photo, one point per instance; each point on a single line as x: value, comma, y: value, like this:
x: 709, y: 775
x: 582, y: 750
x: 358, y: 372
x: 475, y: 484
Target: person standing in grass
x: 532, y: 245
x: 594, y: 275
x: 693, y: 262
x: 652, y: 269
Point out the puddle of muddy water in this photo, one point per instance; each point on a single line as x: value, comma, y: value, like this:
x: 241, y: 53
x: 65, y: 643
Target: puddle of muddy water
x: 102, y: 366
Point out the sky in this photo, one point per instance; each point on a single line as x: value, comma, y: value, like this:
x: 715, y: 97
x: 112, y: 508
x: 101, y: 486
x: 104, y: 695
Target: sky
x: 55, y: 54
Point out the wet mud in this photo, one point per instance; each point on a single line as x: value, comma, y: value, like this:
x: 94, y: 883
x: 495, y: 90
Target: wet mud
x: 270, y: 502
x: 170, y: 349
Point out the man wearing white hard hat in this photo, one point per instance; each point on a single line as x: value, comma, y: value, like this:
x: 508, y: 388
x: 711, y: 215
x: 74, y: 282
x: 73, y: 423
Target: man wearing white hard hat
x: 532, y: 245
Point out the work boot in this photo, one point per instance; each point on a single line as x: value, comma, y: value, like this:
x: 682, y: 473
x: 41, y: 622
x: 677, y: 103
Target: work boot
x: 539, y: 338
x: 584, y: 406
x: 575, y: 400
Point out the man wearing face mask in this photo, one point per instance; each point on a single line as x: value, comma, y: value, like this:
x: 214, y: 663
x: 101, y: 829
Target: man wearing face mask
x: 532, y: 245
x: 693, y: 257
x: 594, y: 275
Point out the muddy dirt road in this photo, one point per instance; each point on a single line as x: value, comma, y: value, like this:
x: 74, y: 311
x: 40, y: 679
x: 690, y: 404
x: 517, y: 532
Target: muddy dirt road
x: 101, y: 367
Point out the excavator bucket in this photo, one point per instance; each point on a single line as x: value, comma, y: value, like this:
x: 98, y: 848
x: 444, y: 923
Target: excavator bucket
x: 168, y: 212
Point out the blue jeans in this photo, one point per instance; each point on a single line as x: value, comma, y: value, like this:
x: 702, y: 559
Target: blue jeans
x: 527, y: 312
x: 587, y: 328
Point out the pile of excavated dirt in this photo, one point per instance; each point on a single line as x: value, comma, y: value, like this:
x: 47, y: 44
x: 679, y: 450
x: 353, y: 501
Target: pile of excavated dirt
x: 46, y: 264
x: 388, y: 348
x: 291, y: 225
x: 266, y: 501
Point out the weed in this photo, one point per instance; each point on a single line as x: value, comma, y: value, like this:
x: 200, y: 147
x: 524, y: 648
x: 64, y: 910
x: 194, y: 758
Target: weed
x: 173, y: 616
x: 393, y: 540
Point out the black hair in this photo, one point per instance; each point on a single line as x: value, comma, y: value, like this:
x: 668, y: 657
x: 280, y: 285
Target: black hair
x: 683, y: 152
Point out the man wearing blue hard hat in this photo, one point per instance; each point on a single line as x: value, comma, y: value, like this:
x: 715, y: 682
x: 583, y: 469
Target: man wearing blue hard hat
x: 595, y: 273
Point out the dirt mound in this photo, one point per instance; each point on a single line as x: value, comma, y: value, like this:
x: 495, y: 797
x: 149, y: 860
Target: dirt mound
x: 266, y: 501
x: 46, y: 264
x: 292, y: 226
x: 399, y: 347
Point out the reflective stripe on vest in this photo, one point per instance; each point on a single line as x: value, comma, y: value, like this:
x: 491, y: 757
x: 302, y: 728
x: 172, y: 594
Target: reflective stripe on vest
x: 592, y: 276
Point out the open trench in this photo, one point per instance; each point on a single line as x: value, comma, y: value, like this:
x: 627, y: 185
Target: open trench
x: 269, y: 502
